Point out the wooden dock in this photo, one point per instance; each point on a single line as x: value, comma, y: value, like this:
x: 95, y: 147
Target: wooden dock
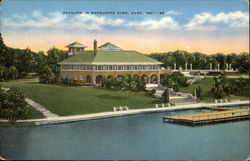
x: 209, y: 117
x: 218, y: 108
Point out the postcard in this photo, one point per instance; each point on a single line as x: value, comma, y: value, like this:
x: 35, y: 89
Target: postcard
x: 124, y: 80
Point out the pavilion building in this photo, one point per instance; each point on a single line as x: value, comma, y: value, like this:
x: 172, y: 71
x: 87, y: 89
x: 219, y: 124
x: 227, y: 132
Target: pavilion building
x: 91, y: 66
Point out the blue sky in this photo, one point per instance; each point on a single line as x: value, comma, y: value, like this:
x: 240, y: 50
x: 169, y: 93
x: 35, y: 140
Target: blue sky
x: 183, y: 24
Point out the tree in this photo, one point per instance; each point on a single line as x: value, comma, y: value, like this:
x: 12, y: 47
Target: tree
x: 232, y: 59
x: 221, y: 58
x: 12, y: 105
x: 2, y: 73
x: 167, y: 81
x: 40, y: 61
x: 2, y: 50
x: 13, y: 73
x: 127, y: 83
x: 219, y: 90
x: 54, y: 57
x: 179, y: 79
x: 165, y: 96
x: 47, y: 76
x: 198, y: 92
x: 25, y: 61
x: 180, y: 58
x: 244, y: 63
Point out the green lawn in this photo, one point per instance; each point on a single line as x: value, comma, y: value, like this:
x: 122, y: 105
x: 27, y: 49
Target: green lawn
x: 67, y: 100
x: 33, y: 113
x: 206, y: 85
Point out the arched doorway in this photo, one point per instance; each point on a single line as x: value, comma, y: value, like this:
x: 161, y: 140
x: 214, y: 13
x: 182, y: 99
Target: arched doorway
x: 136, y: 77
x: 98, y: 79
x: 144, y: 78
x: 88, y: 79
x: 68, y: 77
x: 119, y: 77
x: 153, y: 79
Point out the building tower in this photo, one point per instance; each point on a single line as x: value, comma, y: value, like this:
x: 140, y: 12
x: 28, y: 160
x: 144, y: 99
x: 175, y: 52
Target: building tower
x: 75, y: 48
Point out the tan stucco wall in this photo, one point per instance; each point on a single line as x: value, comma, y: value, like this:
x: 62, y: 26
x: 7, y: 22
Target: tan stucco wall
x: 82, y: 75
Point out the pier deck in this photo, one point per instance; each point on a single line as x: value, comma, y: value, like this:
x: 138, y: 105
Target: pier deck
x: 219, y: 108
x: 209, y: 117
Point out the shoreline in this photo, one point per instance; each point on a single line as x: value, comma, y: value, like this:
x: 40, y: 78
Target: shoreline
x: 110, y: 114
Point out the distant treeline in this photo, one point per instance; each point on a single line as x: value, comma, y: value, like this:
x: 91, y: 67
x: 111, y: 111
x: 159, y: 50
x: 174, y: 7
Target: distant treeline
x: 202, y: 61
x: 16, y: 63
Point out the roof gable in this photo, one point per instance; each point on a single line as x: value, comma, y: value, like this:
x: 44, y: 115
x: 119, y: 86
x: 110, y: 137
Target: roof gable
x: 76, y: 44
x: 109, y: 46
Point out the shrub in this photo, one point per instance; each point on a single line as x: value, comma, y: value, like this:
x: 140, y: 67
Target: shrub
x: 77, y: 82
x: 66, y: 80
x: 176, y: 88
x: 176, y: 78
x: 150, y: 93
x: 47, y: 75
x: 109, y: 83
x: 126, y: 83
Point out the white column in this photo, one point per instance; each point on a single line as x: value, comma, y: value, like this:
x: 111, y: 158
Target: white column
x: 211, y: 66
x: 93, y: 78
x: 218, y: 66
x: 174, y: 66
x: 159, y: 78
x: 186, y: 66
x: 180, y: 68
x: 191, y: 66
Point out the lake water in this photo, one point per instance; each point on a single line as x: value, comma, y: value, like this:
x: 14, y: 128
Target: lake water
x: 136, y: 137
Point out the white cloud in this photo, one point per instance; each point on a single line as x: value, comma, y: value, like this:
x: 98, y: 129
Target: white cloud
x: 207, y: 21
x: 57, y: 20
x: 36, y: 20
x: 163, y: 23
x: 204, y: 21
x: 86, y: 21
x: 95, y: 22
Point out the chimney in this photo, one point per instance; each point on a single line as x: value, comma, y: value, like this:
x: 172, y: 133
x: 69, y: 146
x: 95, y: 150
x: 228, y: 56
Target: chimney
x: 95, y: 47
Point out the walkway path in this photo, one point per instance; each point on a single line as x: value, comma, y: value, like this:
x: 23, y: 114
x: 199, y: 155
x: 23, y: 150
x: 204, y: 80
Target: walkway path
x: 40, y: 108
x: 63, y: 119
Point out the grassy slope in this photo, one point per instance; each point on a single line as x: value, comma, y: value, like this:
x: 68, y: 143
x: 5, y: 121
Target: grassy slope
x: 206, y: 85
x: 65, y: 100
